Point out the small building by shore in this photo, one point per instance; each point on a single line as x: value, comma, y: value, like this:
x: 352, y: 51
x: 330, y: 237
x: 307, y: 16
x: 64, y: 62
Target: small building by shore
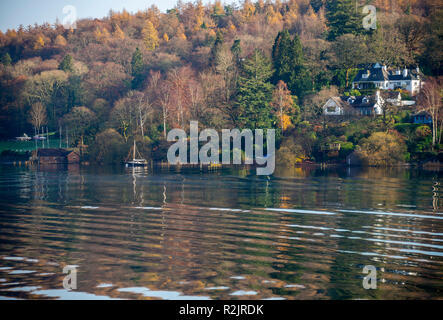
x: 56, y: 156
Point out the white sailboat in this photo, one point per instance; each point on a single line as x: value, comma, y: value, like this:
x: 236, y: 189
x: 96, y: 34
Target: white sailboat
x: 135, y: 162
x: 25, y: 137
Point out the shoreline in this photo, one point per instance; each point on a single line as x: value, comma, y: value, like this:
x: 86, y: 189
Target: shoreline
x: 423, y: 165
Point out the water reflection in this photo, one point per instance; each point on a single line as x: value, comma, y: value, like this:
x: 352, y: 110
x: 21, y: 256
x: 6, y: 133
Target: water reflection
x: 153, y: 234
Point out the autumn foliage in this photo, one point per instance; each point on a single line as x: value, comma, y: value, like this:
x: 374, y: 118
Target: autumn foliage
x: 258, y: 63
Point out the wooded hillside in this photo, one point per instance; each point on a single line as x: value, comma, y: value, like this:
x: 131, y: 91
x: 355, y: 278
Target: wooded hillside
x: 263, y: 64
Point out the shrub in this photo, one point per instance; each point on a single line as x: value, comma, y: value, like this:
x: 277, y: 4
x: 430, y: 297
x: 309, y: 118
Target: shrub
x: 109, y: 147
x: 290, y: 153
x: 383, y: 149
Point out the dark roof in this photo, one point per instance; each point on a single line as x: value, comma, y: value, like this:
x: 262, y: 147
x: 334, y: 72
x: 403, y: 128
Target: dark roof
x: 52, y: 152
x: 374, y: 73
x: 422, y: 113
x: 411, y: 75
x: 359, y: 101
x: 377, y: 72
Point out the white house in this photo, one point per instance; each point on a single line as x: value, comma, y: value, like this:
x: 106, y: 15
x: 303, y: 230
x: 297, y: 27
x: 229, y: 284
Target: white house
x: 383, y: 78
x: 334, y: 107
x: 352, y: 105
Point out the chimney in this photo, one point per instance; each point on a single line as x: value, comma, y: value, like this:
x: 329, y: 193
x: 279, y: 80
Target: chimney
x: 378, y: 97
x: 405, y: 72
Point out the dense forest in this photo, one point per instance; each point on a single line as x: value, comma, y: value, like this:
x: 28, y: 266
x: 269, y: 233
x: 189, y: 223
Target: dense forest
x: 268, y: 64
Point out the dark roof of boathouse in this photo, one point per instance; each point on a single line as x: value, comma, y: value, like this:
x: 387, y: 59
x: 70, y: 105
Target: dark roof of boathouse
x: 53, y: 152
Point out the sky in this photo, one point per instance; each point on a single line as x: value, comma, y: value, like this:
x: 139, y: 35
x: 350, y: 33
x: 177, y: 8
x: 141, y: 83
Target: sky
x: 13, y: 13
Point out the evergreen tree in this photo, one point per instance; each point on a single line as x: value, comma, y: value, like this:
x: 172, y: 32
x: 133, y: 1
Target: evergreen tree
x: 137, y: 68
x: 6, y: 59
x: 66, y: 65
x: 300, y: 83
x: 316, y: 4
x: 255, y: 93
x: 236, y: 50
x: 287, y: 54
x: 343, y: 17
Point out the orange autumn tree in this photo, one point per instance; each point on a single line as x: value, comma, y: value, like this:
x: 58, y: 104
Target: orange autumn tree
x: 283, y: 104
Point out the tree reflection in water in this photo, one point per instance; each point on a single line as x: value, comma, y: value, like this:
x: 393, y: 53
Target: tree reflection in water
x: 303, y: 233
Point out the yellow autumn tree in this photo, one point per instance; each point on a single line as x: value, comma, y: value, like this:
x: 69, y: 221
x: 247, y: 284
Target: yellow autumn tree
x: 39, y: 42
x: 273, y: 17
x: 11, y: 34
x: 180, y: 34
x: 248, y: 10
x: 218, y: 9
x: 165, y: 37
x: 97, y: 34
x: 60, y: 41
x: 101, y: 35
x: 121, y: 17
x: 118, y: 32
x: 285, y: 122
x: 150, y: 36
x: 199, y: 15
x: 283, y: 104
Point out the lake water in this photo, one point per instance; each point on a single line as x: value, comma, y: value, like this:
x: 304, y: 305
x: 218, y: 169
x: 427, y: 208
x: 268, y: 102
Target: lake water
x: 301, y: 234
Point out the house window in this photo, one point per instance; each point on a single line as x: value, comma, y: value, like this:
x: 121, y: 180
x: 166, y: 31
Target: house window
x: 330, y: 109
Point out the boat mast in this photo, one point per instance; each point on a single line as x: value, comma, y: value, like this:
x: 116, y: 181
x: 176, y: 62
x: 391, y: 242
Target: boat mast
x: 133, y: 158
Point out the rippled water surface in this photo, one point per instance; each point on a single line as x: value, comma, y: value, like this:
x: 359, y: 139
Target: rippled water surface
x: 301, y: 234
